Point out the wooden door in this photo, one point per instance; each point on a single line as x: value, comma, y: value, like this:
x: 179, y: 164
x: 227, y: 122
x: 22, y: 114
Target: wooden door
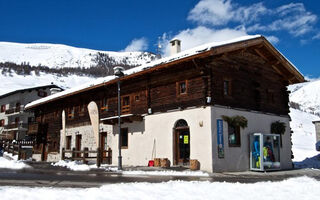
x: 182, y: 146
x: 103, y: 146
x: 78, y: 145
x: 44, y: 146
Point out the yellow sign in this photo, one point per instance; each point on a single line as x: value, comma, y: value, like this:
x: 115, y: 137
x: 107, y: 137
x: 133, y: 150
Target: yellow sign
x: 185, y: 139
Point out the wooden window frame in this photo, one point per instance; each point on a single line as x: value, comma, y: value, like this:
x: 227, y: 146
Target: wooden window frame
x: 229, y: 92
x: 3, y: 108
x: 136, y: 97
x: 178, y: 88
x: 104, y: 105
x: 122, y: 146
x: 71, y: 112
x: 237, y: 132
x: 125, y: 109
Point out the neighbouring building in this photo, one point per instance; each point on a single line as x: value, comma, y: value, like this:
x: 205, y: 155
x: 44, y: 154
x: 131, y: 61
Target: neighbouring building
x: 14, y: 120
x: 317, y: 126
x: 204, y: 104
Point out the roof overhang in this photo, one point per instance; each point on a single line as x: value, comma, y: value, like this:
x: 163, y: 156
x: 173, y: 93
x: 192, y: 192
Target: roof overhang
x: 129, y: 118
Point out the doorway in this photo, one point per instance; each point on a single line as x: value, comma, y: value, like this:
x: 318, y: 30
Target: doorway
x: 181, y: 143
x: 78, y: 144
x: 103, y: 146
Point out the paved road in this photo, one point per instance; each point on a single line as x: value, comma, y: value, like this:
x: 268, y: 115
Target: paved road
x: 45, y: 175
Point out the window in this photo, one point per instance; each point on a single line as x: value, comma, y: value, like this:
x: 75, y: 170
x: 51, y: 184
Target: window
x: 270, y: 97
x: 234, y: 136
x: 68, y: 142
x: 71, y: 113
x: 3, y: 108
x: 104, y: 104
x: 31, y: 119
x: 17, y: 120
x: 227, y: 87
x: 125, y: 106
x: 42, y: 93
x: 124, y: 138
x: 2, y: 123
x: 137, y: 98
x: 182, y: 87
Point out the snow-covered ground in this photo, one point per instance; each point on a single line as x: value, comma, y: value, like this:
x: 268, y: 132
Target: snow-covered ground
x: 12, y: 162
x: 303, y: 136
x: 294, y: 188
x: 78, y: 166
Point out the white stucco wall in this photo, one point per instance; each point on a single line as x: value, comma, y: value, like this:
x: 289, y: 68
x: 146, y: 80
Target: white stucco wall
x: 237, y: 158
x: 159, y: 128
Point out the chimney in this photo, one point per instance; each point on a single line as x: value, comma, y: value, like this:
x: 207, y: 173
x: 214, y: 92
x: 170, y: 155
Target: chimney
x: 54, y: 90
x: 175, y: 46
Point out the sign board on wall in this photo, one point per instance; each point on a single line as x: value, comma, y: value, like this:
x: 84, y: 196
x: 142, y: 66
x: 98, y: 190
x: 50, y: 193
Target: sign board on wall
x: 220, y: 138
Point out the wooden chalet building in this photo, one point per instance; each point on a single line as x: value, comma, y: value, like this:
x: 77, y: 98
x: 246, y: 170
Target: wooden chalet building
x: 173, y: 108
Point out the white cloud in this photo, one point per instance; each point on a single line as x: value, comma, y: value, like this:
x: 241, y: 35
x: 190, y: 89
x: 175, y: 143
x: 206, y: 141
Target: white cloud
x: 215, y: 12
x: 292, y: 17
x: 220, y: 12
x: 317, y: 36
x: 200, y: 35
x: 273, y: 39
x: 140, y: 44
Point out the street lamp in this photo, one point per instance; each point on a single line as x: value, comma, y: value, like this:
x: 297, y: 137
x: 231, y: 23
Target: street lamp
x: 118, y: 72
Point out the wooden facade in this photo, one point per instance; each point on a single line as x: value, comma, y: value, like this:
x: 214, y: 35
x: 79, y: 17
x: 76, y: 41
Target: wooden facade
x: 249, y: 75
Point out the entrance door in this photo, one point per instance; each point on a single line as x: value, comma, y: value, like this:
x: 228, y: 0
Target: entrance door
x: 103, y: 146
x: 78, y: 145
x: 43, y: 139
x: 183, y: 147
x: 182, y: 143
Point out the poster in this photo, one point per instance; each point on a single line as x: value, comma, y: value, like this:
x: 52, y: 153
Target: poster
x: 220, y: 138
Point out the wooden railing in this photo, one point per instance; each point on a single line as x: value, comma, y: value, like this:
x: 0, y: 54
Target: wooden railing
x: 16, y: 125
x: 14, y: 110
x: 16, y: 147
x: 85, y: 155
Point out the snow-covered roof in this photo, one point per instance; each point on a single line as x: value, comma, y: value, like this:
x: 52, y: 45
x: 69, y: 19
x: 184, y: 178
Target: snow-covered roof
x: 178, y: 56
x: 30, y: 88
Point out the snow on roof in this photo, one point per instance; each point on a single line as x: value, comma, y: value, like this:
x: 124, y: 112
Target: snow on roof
x: 183, y: 54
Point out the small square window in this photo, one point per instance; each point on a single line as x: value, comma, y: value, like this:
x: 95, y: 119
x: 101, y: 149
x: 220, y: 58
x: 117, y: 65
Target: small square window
x: 137, y: 98
x: 182, y: 87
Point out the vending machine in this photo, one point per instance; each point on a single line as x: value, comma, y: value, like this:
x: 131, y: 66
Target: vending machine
x: 264, y: 152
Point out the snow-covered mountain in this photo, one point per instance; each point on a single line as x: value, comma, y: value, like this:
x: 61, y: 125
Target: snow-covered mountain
x: 58, y: 55
x: 306, y: 96
x: 305, y: 102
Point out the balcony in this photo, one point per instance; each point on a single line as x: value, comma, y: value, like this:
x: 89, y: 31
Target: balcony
x: 16, y: 126
x: 14, y: 110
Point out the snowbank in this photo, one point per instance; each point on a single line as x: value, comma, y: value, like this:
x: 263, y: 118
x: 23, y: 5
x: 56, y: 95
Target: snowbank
x: 294, y: 188
x: 79, y: 166
x: 166, y: 173
x: 12, y: 164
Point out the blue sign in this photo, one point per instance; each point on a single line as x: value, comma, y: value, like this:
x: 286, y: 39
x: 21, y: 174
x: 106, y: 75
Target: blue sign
x: 220, y: 138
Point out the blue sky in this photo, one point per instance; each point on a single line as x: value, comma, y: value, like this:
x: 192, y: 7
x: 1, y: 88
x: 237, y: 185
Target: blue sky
x: 292, y: 26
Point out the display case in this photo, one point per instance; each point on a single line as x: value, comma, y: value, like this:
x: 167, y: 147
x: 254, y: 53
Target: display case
x: 264, y: 152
